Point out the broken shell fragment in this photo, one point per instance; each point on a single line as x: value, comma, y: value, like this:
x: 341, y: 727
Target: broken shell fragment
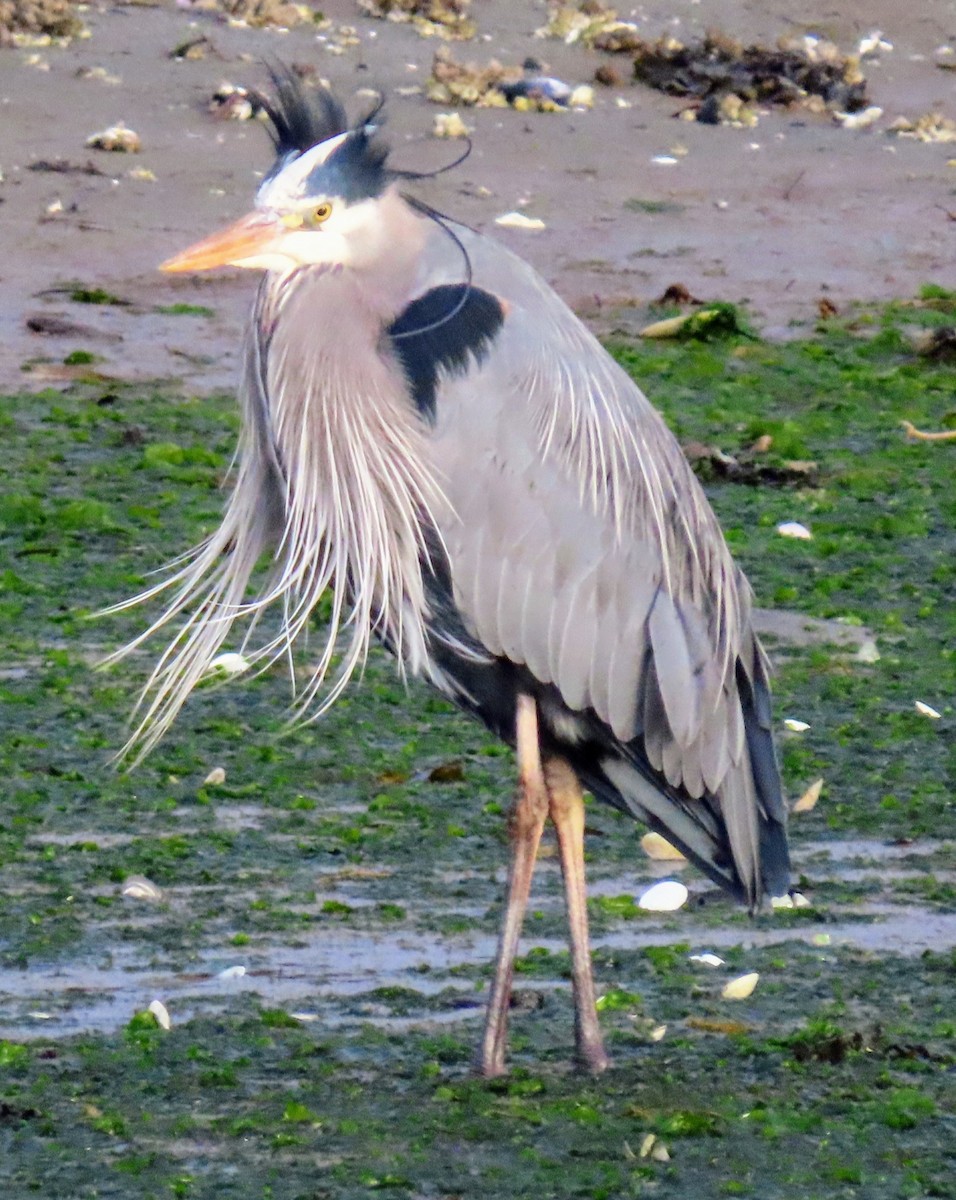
x: 795, y: 726
x: 215, y: 777
x: 660, y: 849
x: 926, y: 711
x: 741, y: 987
x: 450, y: 125
x: 160, y: 1012
x: 666, y: 896
x: 859, y: 120
x: 793, y: 529
x: 808, y: 800
x: 117, y: 138
x: 517, y: 220
x: 706, y: 960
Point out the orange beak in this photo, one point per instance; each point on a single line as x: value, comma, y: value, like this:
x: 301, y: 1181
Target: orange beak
x: 251, y: 235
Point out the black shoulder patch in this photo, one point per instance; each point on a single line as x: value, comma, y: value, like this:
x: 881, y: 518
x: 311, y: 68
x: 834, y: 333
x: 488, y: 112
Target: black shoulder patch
x: 441, y: 329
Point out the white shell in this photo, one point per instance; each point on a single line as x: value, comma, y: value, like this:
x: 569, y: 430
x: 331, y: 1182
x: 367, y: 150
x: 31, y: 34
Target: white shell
x: 138, y: 887
x: 795, y: 726
x: 160, y: 1012
x: 926, y: 711
x: 216, y: 776
x: 706, y: 960
x: 236, y: 972
x: 657, y: 1033
x: 741, y: 987
x: 666, y: 896
x: 793, y: 529
x: 228, y: 664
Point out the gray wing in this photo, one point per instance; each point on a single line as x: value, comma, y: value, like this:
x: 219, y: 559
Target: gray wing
x: 583, y: 548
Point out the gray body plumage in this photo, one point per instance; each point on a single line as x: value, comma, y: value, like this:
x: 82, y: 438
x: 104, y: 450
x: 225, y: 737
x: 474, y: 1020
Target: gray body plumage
x: 522, y: 521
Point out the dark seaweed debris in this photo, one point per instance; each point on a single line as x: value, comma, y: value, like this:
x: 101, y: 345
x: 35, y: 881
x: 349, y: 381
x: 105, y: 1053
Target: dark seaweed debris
x: 720, y: 66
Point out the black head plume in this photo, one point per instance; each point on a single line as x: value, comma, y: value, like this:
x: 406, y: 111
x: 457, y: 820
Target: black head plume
x: 299, y: 119
x: 302, y: 117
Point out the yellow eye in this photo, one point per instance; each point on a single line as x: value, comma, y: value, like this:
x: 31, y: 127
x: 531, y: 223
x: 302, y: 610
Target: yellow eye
x: 321, y: 213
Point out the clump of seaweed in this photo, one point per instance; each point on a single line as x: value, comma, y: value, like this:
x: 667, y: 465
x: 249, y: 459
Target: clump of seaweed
x: 447, y: 19
x: 794, y: 72
x: 28, y: 22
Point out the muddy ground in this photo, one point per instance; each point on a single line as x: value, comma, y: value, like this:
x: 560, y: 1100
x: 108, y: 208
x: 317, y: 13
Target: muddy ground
x: 777, y: 215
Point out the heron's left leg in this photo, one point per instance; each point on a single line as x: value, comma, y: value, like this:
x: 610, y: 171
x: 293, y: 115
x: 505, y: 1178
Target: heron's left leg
x: 566, y: 807
x: 526, y: 824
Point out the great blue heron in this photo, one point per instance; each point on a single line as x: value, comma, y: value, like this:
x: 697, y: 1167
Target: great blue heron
x: 429, y: 432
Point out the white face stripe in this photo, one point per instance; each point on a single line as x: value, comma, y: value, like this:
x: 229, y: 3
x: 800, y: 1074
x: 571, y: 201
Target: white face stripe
x: 288, y: 187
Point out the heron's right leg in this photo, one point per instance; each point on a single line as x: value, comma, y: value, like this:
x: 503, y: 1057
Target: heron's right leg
x: 527, y: 822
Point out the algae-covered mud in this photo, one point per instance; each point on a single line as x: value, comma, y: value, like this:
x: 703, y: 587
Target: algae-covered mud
x: 318, y: 915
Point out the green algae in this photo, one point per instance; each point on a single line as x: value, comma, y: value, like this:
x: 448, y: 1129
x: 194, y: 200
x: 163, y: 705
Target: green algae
x: 835, y: 1079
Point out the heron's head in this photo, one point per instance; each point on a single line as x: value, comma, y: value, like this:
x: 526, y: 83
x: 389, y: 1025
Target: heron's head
x: 328, y: 199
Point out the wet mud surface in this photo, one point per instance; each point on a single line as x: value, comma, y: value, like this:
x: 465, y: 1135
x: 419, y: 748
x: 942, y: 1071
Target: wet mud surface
x: 780, y: 215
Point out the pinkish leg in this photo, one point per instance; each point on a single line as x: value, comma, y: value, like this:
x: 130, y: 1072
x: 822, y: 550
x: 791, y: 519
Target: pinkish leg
x: 526, y: 824
x: 566, y: 806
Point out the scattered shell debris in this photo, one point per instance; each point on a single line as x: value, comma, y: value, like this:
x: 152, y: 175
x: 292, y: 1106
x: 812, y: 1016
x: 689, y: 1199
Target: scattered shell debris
x: 795, y: 726
x: 232, y: 102
x: 652, y: 1147
x: 215, y: 777
x: 741, y: 987
x: 660, y: 849
x: 592, y: 25
x: 260, y: 14
x: 517, y: 220
x: 873, y: 43
x: 450, y: 125
x: 117, y: 138
x: 747, y: 466
x: 495, y: 85
x: 793, y: 529
x: 666, y: 896
x: 926, y: 710
x: 138, y: 887
x: 808, y: 801
x: 100, y: 74
x: 160, y: 1012
x: 448, y: 19
x: 937, y: 343
x: 930, y: 127
x: 38, y: 23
